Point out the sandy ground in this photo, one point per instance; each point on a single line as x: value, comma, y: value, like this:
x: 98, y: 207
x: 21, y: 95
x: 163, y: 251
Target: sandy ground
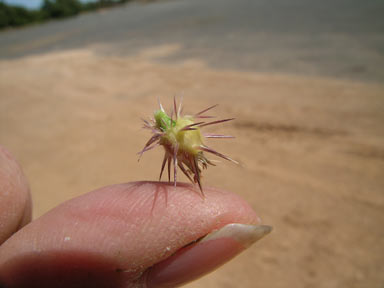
x: 312, y: 153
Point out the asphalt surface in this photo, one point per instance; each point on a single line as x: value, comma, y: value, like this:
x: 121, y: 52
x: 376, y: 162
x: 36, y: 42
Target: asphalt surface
x: 342, y: 38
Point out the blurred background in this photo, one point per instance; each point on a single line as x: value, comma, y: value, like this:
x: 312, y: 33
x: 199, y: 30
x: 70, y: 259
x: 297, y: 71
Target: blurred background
x: 303, y: 78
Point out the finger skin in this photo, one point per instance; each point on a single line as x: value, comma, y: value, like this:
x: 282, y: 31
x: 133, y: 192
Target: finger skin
x: 15, y: 200
x: 109, y: 237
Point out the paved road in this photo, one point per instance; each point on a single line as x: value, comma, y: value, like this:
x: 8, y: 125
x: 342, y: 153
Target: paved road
x: 336, y: 38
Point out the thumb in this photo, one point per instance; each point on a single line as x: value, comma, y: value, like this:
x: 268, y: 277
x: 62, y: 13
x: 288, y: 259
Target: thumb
x: 15, y: 199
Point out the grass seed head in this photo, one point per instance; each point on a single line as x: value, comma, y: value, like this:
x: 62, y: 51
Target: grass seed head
x: 182, y: 141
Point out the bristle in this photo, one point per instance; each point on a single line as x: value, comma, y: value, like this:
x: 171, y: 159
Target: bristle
x: 163, y: 165
x: 147, y: 149
x: 217, y: 136
x: 180, y: 106
x: 210, y: 150
x: 216, y: 122
x: 188, y: 129
x: 145, y: 121
x: 150, y: 141
x: 148, y: 125
x: 197, y: 174
x: 185, y: 128
x: 204, y: 117
x: 210, y: 162
x: 161, y: 106
x: 175, y: 107
x: 182, y: 168
x: 205, y: 110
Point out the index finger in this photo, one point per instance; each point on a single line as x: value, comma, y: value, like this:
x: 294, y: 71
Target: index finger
x: 111, y: 236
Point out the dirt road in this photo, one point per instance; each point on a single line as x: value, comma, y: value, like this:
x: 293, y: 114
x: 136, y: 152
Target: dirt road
x: 311, y: 151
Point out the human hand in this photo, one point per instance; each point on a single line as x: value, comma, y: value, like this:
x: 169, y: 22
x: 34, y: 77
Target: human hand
x: 140, y: 234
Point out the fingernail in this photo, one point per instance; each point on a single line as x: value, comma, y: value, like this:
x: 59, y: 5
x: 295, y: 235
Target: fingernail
x: 204, y: 256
